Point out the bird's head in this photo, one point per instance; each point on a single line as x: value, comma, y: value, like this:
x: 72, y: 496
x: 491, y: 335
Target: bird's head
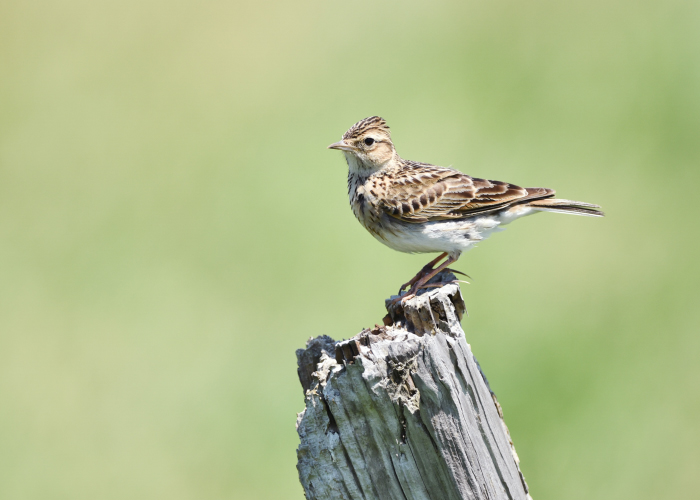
x: 367, y: 145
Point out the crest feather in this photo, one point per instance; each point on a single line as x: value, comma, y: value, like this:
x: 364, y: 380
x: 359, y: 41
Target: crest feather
x: 363, y: 125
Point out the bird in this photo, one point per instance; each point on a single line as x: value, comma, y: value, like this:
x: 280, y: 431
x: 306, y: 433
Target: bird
x: 416, y: 207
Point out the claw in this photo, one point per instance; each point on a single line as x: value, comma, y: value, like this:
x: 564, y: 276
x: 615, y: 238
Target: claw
x: 398, y: 299
x: 440, y: 285
x: 458, y: 272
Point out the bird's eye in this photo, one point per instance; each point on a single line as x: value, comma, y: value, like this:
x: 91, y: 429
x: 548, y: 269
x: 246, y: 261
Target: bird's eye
x: 369, y: 141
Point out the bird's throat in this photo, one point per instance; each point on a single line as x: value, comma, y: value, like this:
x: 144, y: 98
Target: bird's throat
x: 360, y: 167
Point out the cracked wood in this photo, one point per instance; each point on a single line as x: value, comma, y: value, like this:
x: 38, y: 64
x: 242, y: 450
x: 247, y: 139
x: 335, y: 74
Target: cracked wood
x: 404, y: 412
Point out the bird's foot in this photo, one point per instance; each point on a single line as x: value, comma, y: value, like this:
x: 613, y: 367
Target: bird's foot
x: 423, y: 277
x: 425, y: 271
x: 409, y: 284
x: 402, y: 298
x: 409, y: 294
x: 412, y: 292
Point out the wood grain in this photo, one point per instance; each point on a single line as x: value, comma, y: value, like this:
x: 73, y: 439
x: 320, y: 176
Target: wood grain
x: 404, y: 412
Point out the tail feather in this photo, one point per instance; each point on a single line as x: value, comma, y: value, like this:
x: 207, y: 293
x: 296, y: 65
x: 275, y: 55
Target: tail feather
x: 567, y: 207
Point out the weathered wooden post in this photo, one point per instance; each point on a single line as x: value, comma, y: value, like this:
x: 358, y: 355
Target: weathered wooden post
x: 404, y: 412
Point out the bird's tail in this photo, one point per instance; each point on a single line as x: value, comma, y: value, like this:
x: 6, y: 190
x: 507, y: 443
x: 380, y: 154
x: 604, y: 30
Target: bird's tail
x: 566, y: 207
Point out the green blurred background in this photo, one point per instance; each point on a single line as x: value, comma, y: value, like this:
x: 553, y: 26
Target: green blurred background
x: 172, y: 228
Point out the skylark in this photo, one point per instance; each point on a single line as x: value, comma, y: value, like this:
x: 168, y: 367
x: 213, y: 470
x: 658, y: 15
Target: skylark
x: 421, y: 208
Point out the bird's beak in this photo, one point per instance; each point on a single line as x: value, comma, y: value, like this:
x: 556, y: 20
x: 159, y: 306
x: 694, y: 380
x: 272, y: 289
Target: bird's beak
x: 342, y: 145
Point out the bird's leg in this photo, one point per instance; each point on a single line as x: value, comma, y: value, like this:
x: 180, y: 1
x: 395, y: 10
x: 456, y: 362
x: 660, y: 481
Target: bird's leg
x: 422, y: 281
x: 425, y: 269
x: 430, y: 276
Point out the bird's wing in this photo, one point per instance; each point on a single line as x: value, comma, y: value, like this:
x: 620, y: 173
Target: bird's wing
x: 422, y: 193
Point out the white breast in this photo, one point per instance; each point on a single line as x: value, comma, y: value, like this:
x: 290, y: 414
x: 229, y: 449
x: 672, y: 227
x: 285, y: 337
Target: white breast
x: 454, y: 237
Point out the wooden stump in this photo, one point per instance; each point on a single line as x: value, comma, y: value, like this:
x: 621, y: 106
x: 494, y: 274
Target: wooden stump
x: 404, y: 412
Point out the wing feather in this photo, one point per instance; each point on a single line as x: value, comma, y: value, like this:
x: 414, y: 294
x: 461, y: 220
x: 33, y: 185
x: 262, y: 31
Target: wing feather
x: 420, y: 193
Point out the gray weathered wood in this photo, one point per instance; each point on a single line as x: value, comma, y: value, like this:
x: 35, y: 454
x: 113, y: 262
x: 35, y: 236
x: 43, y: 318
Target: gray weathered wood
x: 404, y: 412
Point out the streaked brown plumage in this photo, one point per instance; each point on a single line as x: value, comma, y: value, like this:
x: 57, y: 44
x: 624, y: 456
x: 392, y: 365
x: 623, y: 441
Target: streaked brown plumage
x: 418, y: 207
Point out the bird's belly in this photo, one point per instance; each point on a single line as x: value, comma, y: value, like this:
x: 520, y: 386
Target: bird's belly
x: 441, y: 236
